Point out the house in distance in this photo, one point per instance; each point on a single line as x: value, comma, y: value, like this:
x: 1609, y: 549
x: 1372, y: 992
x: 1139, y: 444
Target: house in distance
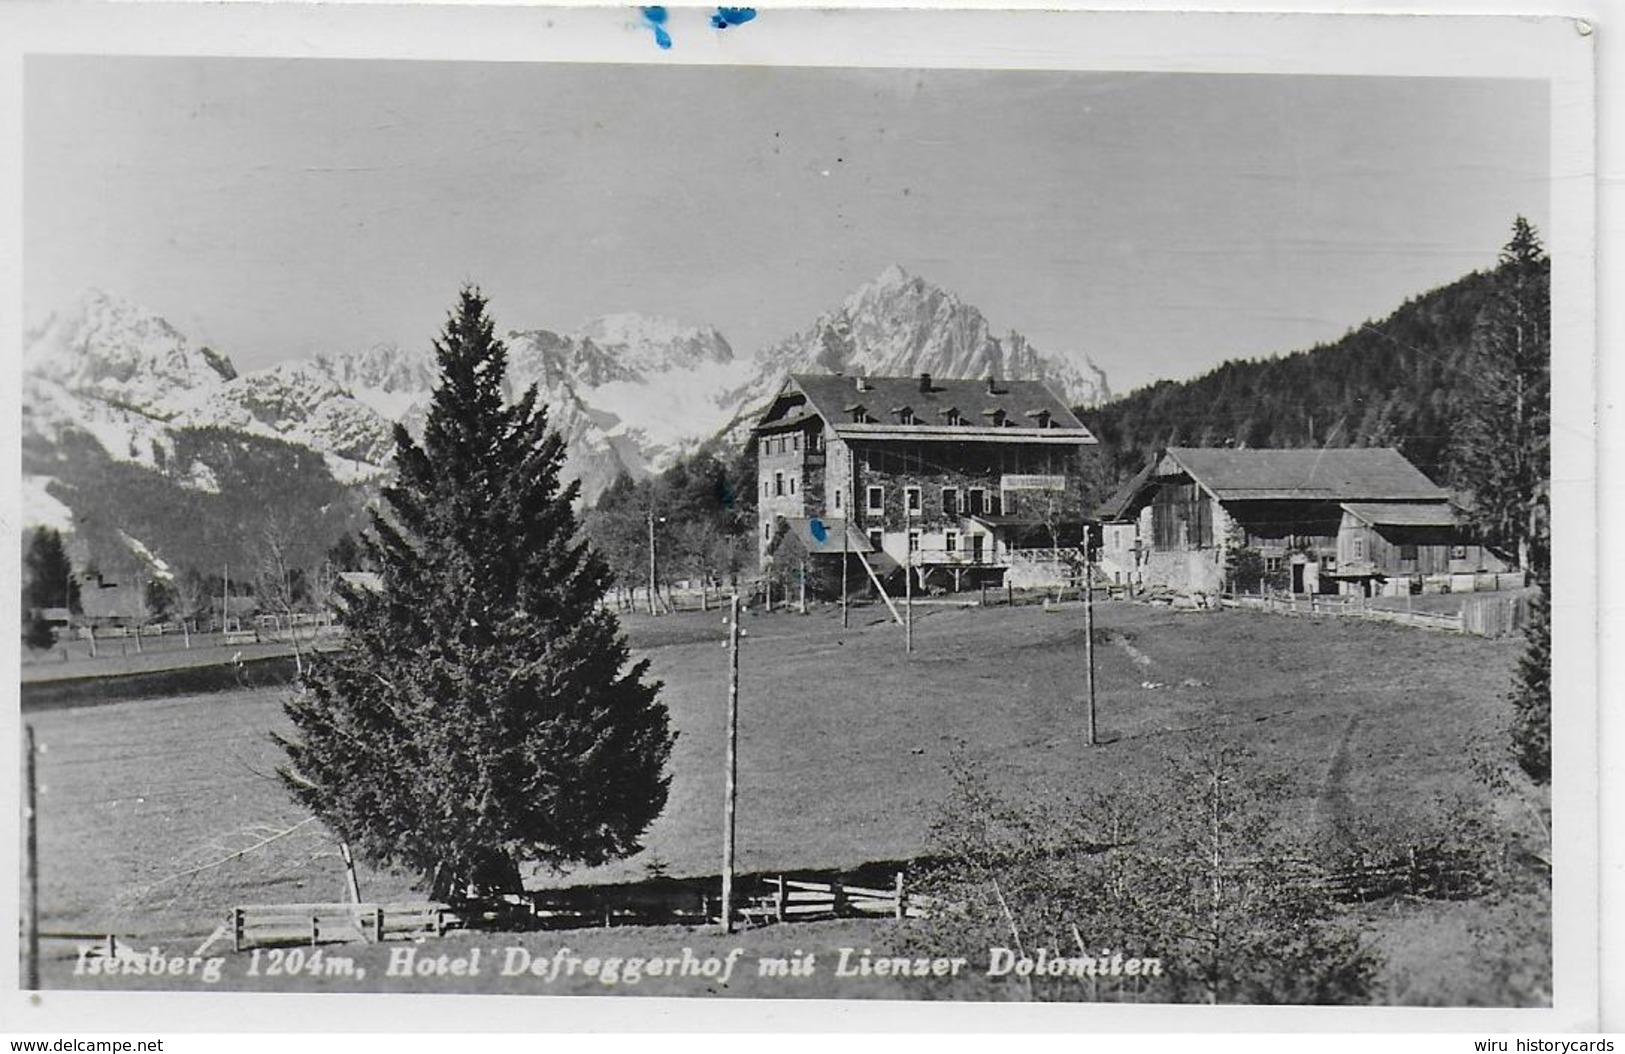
x: 967, y: 482
x: 1351, y: 521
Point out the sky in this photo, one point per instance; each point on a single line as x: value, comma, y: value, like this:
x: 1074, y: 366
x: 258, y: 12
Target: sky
x: 1159, y: 223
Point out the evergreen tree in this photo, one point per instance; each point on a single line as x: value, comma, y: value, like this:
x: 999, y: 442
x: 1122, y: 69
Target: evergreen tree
x: 1502, y: 453
x: 48, y: 572
x: 482, y: 712
x: 1503, y: 456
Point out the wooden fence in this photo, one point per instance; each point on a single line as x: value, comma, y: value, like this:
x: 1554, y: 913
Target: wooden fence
x: 654, y: 902
x: 1480, y: 614
x: 792, y: 900
x: 279, y: 924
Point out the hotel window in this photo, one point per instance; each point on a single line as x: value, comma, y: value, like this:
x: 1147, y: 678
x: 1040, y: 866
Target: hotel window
x: 913, y: 541
x: 876, y: 499
x: 778, y: 484
x: 950, y: 501
x: 767, y: 532
x: 905, y: 416
x: 795, y: 442
x: 973, y: 502
x: 911, y: 500
x: 950, y: 542
x: 875, y: 539
x: 837, y: 500
x: 995, y: 505
x: 792, y: 484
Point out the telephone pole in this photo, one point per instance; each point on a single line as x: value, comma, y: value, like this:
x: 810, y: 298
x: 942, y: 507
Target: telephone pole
x: 846, y: 525
x: 731, y: 768
x: 651, y: 515
x: 908, y: 596
x: 31, y: 864
x: 1089, y: 635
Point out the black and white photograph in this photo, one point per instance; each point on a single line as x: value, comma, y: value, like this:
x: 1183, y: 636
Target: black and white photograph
x: 696, y: 518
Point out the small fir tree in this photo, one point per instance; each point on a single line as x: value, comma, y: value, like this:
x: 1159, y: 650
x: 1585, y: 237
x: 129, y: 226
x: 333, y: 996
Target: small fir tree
x: 482, y: 712
x: 48, y: 572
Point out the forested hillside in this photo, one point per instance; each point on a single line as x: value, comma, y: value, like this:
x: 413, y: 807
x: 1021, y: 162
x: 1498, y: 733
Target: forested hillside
x: 254, y: 485
x: 1399, y: 382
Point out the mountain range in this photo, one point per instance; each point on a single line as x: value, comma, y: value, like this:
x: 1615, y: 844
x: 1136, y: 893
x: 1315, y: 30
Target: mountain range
x: 117, y: 395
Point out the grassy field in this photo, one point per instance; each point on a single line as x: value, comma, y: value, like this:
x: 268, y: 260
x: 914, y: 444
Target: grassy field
x: 844, y: 745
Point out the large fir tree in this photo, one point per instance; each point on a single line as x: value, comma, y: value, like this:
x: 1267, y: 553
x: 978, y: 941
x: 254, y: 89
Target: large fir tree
x: 1503, y: 457
x: 482, y: 712
x: 1502, y: 451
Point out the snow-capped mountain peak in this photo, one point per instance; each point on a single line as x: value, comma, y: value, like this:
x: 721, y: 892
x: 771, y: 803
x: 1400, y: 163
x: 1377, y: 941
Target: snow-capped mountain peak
x: 108, y: 347
x: 902, y: 325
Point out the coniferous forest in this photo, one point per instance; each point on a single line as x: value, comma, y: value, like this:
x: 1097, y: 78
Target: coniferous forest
x: 1400, y: 382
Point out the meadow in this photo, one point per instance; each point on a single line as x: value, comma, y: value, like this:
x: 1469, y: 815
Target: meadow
x: 152, y: 811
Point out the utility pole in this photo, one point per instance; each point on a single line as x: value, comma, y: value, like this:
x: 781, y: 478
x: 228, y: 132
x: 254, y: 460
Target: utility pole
x: 908, y: 596
x: 846, y: 525
x: 651, y: 515
x: 225, y: 603
x: 31, y: 864
x: 731, y: 774
x: 802, y: 584
x: 1089, y: 634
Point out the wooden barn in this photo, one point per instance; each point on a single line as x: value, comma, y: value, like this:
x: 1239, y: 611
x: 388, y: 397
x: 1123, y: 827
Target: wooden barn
x: 1323, y: 520
x: 1399, y: 547
x: 968, y: 482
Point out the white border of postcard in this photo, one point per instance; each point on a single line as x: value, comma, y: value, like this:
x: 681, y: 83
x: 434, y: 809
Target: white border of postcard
x: 1558, y: 49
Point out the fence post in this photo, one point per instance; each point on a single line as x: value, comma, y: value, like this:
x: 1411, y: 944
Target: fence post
x: 839, y: 894
x: 378, y: 924
x: 780, y: 900
x: 315, y: 929
x: 237, y: 927
x: 901, y: 906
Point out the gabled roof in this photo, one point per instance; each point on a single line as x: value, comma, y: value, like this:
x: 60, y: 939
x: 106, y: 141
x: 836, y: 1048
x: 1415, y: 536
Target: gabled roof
x: 833, y: 397
x: 1403, y: 513
x: 1117, y: 506
x: 1348, y: 474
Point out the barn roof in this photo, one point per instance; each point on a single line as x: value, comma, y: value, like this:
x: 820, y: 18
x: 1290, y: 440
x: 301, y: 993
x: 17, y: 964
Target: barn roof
x: 1403, y: 514
x: 1117, y: 506
x: 834, y: 397
x: 1348, y: 474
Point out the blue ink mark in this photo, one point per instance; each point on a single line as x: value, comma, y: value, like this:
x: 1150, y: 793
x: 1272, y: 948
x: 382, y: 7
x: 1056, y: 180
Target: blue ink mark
x: 725, y: 494
x: 819, y: 531
x: 732, y: 16
x: 655, y: 19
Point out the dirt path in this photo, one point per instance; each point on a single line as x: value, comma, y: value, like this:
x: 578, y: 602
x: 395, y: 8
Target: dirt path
x: 1333, y: 810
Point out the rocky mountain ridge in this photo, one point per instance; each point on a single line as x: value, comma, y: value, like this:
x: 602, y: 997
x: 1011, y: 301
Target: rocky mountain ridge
x: 629, y: 392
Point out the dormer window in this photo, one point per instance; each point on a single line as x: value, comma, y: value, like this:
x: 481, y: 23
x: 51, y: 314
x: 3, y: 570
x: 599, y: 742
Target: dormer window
x: 951, y: 417
x: 1040, y: 418
x: 859, y: 412
x: 995, y: 417
x: 904, y: 414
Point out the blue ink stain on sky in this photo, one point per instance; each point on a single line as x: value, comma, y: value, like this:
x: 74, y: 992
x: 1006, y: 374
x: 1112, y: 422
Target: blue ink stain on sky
x: 732, y: 16
x: 655, y: 19
x: 819, y: 531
